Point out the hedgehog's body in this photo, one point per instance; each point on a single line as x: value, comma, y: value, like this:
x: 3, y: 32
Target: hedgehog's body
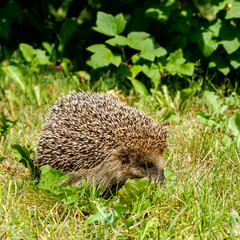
x: 98, y: 136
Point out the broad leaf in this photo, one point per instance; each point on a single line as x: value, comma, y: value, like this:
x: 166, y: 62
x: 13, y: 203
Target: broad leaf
x: 120, y: 210
x: 16, y: 74
x: 234, y: 60
x: 177, y: 65
x: 48, y: 47
x: 41, y: 58
x: 205, y: 39
x: 230, y: 38
x: 209, y: 44
x: 234, y: 11
x: 136, y: 40
x: 109, y: 25
x: 102, y: 57
x: 214, y: 102
x: 5, y: 124
x: 118, y: 41
x: 168, y: 173
x: 23, y: 155
x: 103, y: 215
x: 132, y: 189
x: 234, y: 124
x: 151, y: 50
x: 135, y: 70
x: 158, y: 14
x: 28, y: 51
x: 177, y: 57
x: 152, y: 71
x: 50, y: 183
x: 67, y: 29
x: 139, y: 87
x: 220, y: 64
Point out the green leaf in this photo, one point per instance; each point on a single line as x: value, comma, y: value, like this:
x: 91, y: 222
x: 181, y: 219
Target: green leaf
x: 28, y: 51
x: 150, y: 50
x: 109, y: 25
x: 132, y: 189
x: 220, y: 64
x: 102, y: 57
x: 208, y: 121
x: 120, y: 22
x: 210, y: 9
x: 177, y: 57
x: 48, y: 47
x: 139, y: 87
x: 234, y: 60
x: 234, y: 11
x: 102, y: 215
x: 66, y: 64
x: 186, y: 69
x: 230, y: 38
x: 215, y: 27
x: 135, y: 58
x: 157, y: 14
x: 168, y: 173
x: 37, y: 93
x: 136, y: 40
x: 99, y: 216
x: 152, y: 71
x: 177, y: 65
x: 41, y: 58
x: 120, y: 210
x: 97, y: 48
x: 16, y: 74
x: 23, y: 155
x: 138, y: 35
x: 205, y: 40
x: 135, y: 70
x: 68, y: 27
x: 234, y: 124
x: 5, y: 124
x: 214, y: 102
x: 162, y: 11
x: 118, y: 41
x: 50, y: 184
x: 209, y: 45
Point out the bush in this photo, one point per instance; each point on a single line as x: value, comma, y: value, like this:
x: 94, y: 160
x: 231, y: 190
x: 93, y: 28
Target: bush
x: 203, y: 32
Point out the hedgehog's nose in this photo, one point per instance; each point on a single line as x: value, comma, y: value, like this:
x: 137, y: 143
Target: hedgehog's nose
x: 161, y: 177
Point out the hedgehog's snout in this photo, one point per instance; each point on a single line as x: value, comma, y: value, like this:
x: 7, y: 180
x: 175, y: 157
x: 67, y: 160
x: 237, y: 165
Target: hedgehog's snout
x: 159, y: 176
x: 139, y: 164
x: 153, y: 172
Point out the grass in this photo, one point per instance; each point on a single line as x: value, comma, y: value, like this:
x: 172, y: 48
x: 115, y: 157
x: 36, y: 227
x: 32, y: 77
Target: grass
x: 201, y: 202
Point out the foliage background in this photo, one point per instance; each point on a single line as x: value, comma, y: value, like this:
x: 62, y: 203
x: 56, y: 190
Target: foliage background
x: 205, y: 30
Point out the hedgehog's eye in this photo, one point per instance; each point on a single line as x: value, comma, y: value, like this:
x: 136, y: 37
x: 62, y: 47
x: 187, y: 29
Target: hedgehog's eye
x: 147, y: 165
x: 150, y: 165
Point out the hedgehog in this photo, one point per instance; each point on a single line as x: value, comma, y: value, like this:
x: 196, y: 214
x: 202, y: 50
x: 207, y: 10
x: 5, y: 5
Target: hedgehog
x: 96, y: 136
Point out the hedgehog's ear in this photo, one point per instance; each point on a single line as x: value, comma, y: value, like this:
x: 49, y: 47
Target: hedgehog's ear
x: 125, y: 155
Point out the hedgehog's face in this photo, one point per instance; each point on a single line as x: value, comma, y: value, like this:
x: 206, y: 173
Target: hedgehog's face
x: 138, y: 164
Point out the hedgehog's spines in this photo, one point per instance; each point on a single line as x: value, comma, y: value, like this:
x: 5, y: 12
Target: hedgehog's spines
x: 84, y: 129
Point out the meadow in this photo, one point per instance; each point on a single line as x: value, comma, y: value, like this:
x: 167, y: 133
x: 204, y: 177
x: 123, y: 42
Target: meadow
x: 201, y: 200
